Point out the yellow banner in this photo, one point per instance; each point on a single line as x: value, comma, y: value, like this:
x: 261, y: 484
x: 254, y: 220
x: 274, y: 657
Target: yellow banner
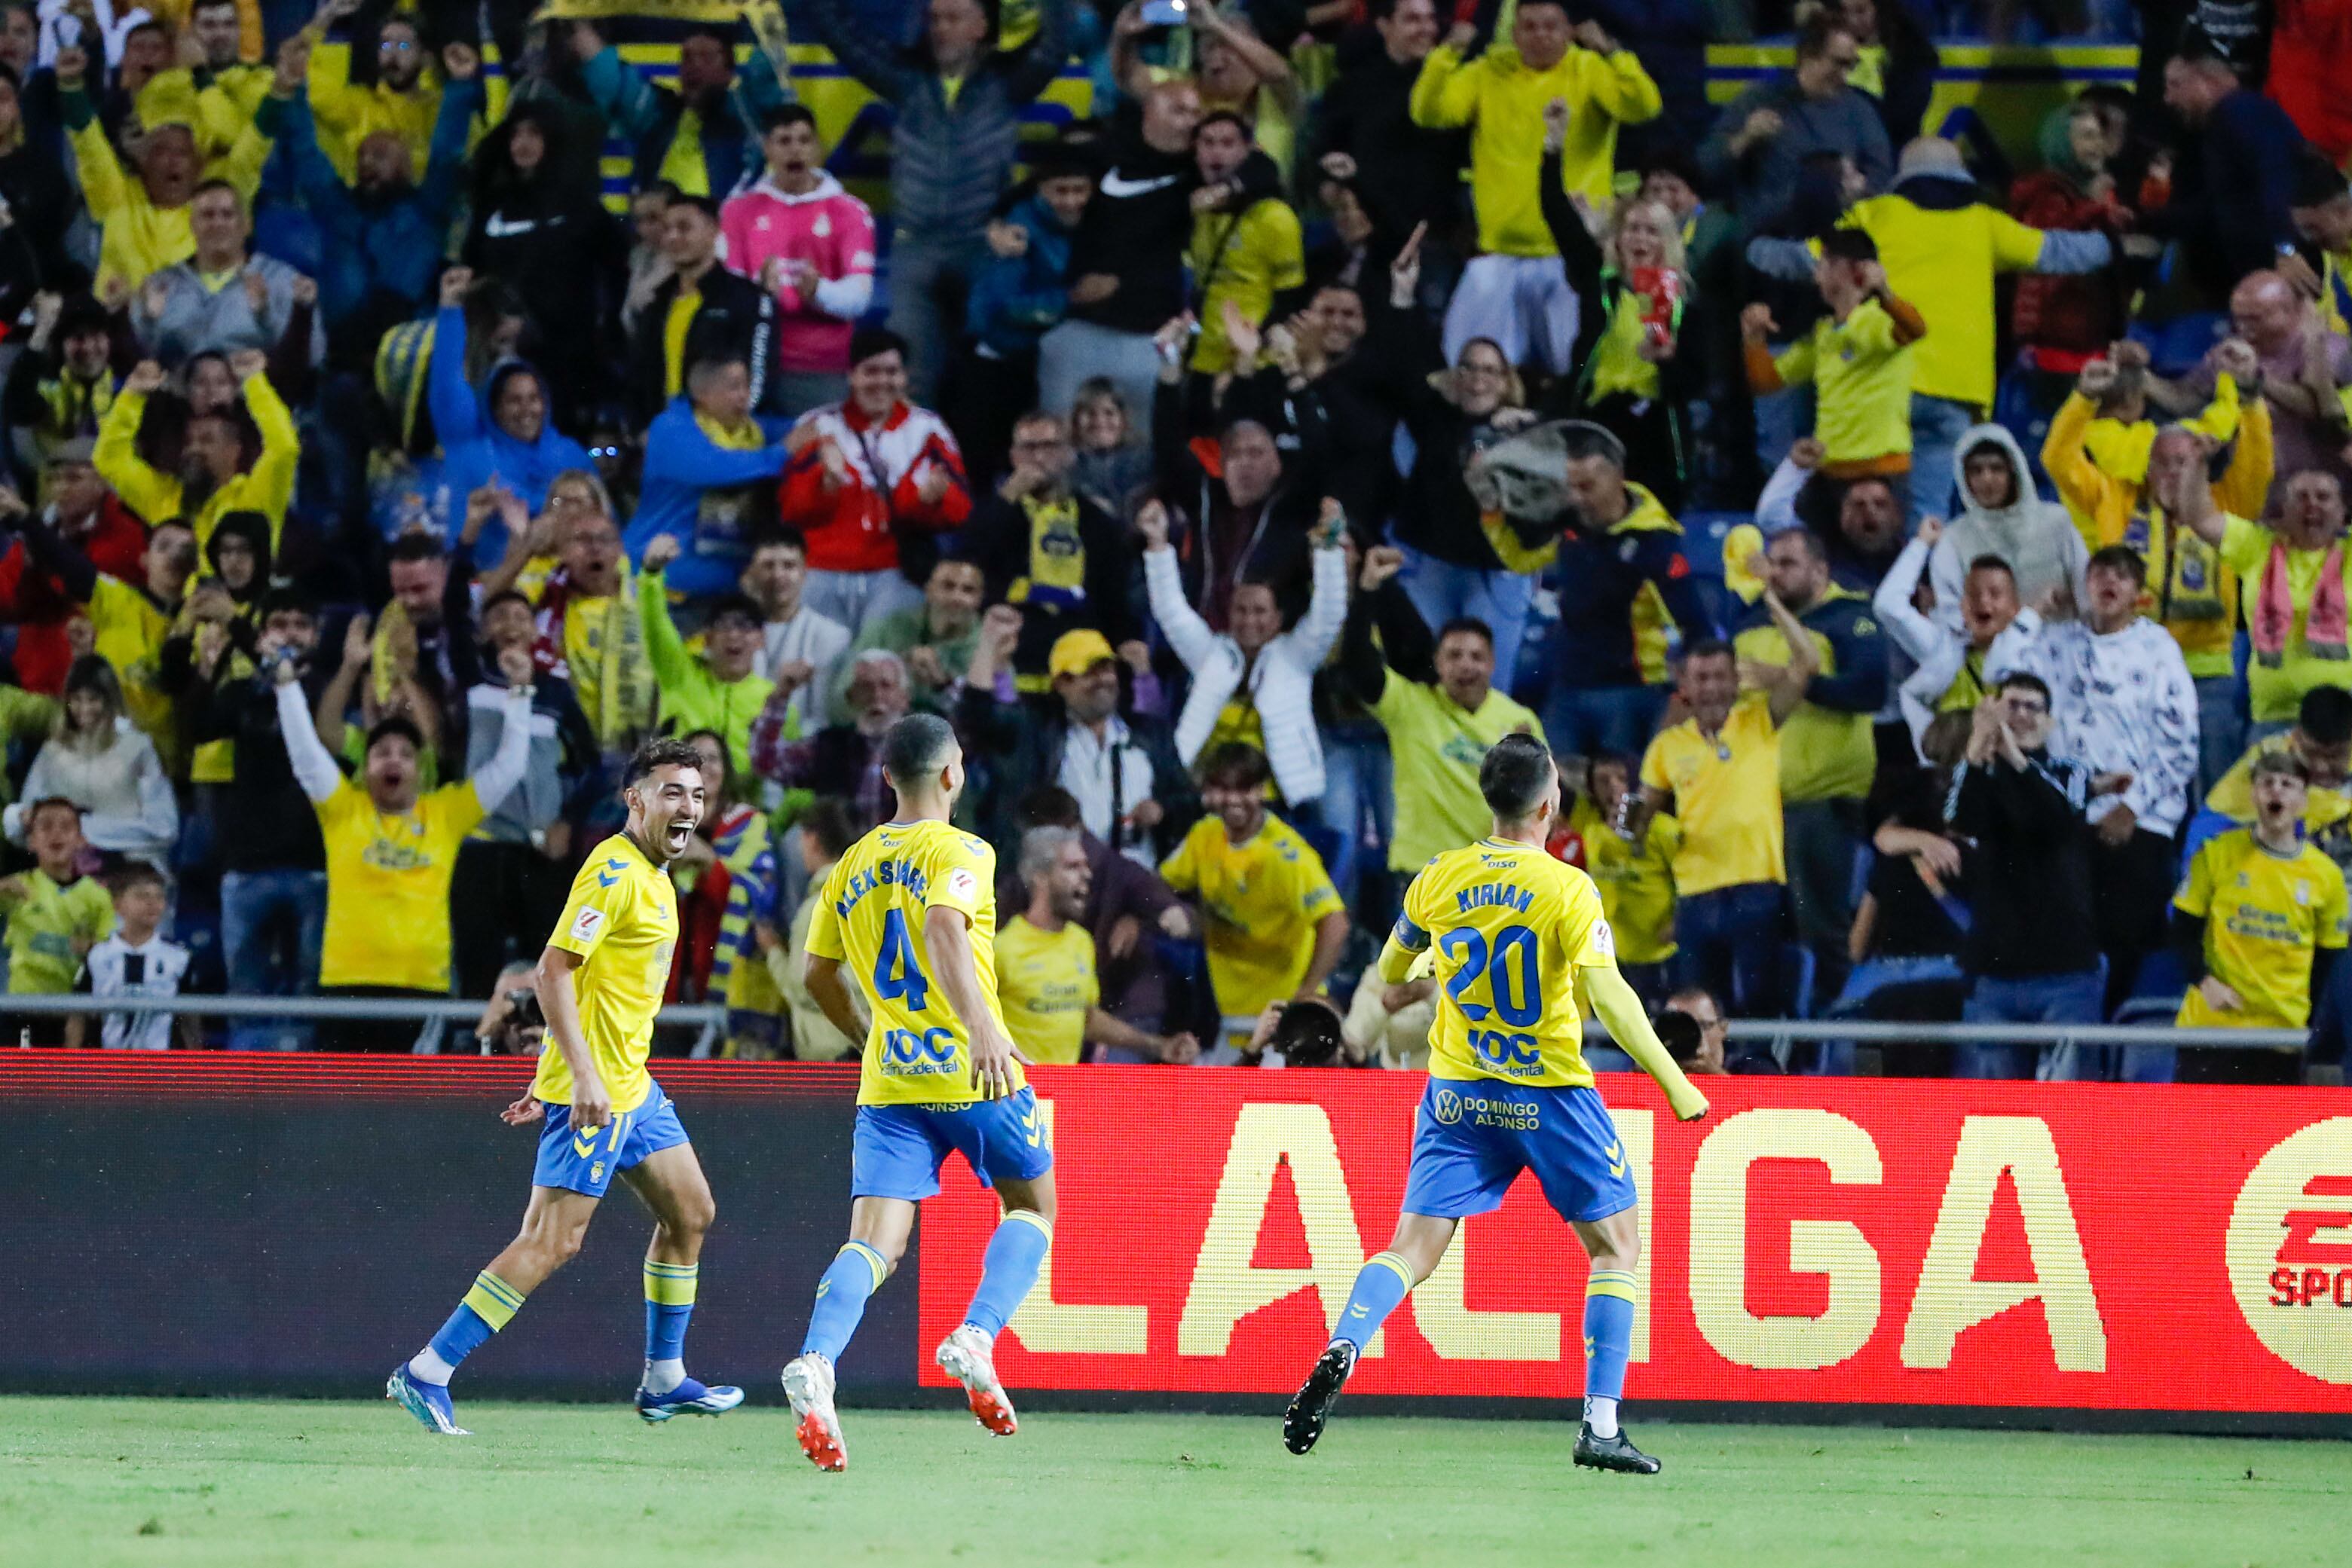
x: 722, y: 11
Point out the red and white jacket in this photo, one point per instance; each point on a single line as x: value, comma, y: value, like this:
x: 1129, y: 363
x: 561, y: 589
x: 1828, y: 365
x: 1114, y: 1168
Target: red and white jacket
x: 848, y: 527
x: 831, y: 230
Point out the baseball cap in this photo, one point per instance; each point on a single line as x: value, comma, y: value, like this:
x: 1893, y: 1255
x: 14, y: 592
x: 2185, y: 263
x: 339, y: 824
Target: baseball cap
x: 1075, y: 653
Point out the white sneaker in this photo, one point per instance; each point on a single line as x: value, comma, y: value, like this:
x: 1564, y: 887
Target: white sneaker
x: 967, y: 1355
x: 808, y: 1384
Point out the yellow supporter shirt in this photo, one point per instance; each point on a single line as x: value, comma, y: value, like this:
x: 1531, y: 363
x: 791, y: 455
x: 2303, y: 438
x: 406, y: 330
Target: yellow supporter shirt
x: 1045, y: 984
x: 1438, y: 807
x: 1511, y: 926
x: 869, y: 918
x: 1637, y: 882
x: 622, y: 920
x: 2265, y: 913
x: 1862, y: 377
x: 1260, y: 901
x: 1246, y: 258
x: 388, y: 887
x: 1944, y: 262
x: 127, y: 631
x: 1618, y: 367
x: 2232, y: 795
x: 1825, y: 753
x: 2276, y: 684
x: 1727, y: 794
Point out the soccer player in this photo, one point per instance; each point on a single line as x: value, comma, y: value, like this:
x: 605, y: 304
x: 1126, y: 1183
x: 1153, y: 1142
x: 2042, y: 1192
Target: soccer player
x: 911, y: 911
x: 1522, y: 951
x: 600, y: 984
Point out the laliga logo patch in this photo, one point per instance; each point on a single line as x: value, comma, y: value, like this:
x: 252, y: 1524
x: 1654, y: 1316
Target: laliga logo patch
x: 962, y: 883
x: 2290, y: 1250
x: 1449, y: 1107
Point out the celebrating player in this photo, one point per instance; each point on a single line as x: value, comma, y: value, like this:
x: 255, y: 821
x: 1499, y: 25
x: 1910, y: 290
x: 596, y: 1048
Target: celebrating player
x: 911, y: 909
x: 1519, y: 934
x: 600, y: 984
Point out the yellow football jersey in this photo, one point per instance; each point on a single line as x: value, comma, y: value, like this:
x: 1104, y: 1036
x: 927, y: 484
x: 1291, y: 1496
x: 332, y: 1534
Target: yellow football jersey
x: 869, y: 918
x: 1511, y: 926
x: 1260, y: 901
x: 2263, y: 915
x: 622, y: 919
x: 1636, y: 883
x: 1045, y: 983
x: 388, y: 887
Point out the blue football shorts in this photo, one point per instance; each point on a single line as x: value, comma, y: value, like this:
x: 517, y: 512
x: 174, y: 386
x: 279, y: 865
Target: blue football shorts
x: 898, y: 1150
x: 1473, y: 1136
x: 589, y: 1162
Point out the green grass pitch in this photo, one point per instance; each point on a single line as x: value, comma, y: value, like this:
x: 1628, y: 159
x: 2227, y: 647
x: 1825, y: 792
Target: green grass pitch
x: 91, y: 1483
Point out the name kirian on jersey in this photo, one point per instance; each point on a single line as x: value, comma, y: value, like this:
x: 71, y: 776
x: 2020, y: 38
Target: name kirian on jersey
x: 883, y: 874
x: 1492, y: 895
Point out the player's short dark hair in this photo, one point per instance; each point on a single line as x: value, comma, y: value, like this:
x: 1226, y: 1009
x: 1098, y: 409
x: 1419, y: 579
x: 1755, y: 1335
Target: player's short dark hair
x: 785, y: 114
x: 2122, y: 559
x: 827, y: 820
x: 914, y: 747
x: 1516, y: 777
x: 1992, y: 563
x: 661, y: 751
x: 1235, y: 765
x: 1680, y: 1034
x: 1849, y: 245
x: 391, y: 725
x: 2025, y: 680
x: 417, y: 547
x: 2326, y: 716
x: 1470, y: 624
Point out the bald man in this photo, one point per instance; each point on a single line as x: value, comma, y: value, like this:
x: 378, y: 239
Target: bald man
x: 2291, y: 345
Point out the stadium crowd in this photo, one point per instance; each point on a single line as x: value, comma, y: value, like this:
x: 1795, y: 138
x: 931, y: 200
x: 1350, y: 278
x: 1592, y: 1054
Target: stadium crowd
x: 1929, y: 567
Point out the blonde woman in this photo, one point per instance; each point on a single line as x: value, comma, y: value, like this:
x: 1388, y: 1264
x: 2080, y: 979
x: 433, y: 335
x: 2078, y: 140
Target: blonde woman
x: 100, y: 762
x: 1631, y: 290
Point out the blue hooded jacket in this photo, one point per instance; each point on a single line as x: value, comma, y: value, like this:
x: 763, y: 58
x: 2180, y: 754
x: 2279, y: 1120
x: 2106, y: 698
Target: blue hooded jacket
x: 1015, y: 299
x: 475, y: 449
x: 683, y: 464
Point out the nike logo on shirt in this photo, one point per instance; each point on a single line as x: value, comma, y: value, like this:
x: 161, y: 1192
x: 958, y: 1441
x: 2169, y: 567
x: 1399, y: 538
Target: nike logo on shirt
x: 1118, y: 186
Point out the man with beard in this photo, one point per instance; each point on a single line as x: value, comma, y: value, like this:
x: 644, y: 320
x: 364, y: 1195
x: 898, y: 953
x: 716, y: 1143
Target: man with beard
x: 586, y: 617
x: 212, y: 480
x: 401, y: 99
x: 842, y: 759
x: 384, y: 230
x: 702, y: 137
x: 1863, y: 534
x: 798, y: 646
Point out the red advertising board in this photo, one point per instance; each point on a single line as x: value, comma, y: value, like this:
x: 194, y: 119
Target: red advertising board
x: 1846, y: 1241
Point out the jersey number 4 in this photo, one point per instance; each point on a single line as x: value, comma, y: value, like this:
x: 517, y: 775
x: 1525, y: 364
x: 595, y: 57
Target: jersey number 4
x: 897, y: 974
x: 1466, y: 945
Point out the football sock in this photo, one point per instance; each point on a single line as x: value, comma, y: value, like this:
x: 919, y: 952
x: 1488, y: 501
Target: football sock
x: 1381, y: 1284
x: 487, y: 1308
x: 669, y: 1302
x: 856, y: 1272
x: 1608, y: 1345
x: 1009, y: 1269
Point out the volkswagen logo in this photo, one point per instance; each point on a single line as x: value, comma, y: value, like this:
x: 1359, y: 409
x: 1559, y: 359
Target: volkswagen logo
x: 1449, y: 1107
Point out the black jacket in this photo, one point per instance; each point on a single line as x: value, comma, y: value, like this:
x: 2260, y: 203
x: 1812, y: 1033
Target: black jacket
x: 1342, y: 416
x: 265, y: 820
x: 737, y: 317
x: 2029, y: 877
x: 998, y: 540
x: 1139, y: 223
x: 1405, y: 173
x: 1273, y: 538
x: 1022, y: 742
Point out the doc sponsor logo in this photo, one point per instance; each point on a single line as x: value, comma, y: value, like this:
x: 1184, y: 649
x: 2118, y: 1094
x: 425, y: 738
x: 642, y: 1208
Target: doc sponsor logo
x: 2290, y: 1250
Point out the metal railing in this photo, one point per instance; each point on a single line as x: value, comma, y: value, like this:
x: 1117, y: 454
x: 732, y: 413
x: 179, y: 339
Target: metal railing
x: 432, y: 1017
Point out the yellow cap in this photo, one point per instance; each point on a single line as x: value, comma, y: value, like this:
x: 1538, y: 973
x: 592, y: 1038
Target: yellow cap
x: 1075, y: 653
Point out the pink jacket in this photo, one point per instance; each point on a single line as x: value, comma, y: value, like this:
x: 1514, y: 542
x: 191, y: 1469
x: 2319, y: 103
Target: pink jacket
x: 831, y: 230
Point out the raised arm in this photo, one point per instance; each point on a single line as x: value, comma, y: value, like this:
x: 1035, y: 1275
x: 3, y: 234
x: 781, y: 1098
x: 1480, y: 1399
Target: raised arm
x: 1784, y: 686
x: 314, y: 768
x: 1919, y: 635
x: 1186, y: 633
x: 494, y: 780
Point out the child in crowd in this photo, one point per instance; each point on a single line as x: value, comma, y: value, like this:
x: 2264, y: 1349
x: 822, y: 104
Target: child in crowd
x: 56, y: 912
x: 136, y: 961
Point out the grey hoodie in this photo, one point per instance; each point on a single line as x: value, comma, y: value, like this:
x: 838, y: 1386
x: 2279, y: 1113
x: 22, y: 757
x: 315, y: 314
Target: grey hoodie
x: 2037, y: 537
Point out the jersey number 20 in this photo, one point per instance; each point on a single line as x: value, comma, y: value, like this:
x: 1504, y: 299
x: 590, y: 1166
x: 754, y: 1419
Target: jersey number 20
x: 896, y: 973
x: 1467, y: 946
